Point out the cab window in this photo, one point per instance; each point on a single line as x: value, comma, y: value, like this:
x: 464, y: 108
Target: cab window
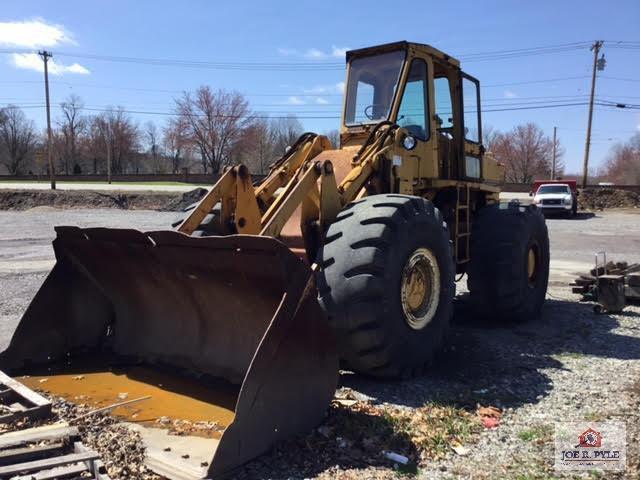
x: 471, y: 105
x: 371, y: 87
x: 414, y: 111
x: 444, y: 110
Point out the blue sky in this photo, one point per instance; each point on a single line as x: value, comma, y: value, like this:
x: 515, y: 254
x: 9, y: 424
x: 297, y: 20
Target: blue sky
x: 317, y: 33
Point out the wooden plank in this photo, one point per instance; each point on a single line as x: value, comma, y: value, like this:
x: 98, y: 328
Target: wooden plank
x: 632, y: 292
x: 7, y: 395
x: 24, y: 391
x: 37, y: 434
x: 25, y: 454
x: 99, y: 470
x: 69, y: 471
x: 48, y: 463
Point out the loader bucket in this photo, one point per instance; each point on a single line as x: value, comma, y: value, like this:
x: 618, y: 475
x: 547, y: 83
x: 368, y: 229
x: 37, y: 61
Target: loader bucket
x: 239, y: 308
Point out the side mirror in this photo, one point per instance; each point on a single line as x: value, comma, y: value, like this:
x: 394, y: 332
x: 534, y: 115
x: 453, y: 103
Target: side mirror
x: 531, y: 194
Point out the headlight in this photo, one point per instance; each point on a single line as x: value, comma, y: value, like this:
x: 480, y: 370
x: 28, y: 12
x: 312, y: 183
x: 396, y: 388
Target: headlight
x: 409, y: 142
x: 568, y: 200
x: 535, y: 201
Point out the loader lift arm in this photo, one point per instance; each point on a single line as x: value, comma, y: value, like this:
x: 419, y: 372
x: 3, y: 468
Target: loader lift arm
x: 294, y: 181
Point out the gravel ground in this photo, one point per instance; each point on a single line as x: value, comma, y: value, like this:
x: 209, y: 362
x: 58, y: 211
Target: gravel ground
x: 570, y: 365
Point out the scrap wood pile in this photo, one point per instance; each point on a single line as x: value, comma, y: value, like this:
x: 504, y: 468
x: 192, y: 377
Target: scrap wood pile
x: 586, y: 284
x: 44, y: 439
x: 601, y: 198
x: 120, y: 449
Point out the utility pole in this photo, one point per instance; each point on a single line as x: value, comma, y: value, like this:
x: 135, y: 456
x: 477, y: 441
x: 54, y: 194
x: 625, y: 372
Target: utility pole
x: 52, y: 174
x: 599, y: 66
x: 553, y: 160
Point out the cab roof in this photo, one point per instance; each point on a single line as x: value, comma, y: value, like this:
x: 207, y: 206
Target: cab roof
x: 403, y: 45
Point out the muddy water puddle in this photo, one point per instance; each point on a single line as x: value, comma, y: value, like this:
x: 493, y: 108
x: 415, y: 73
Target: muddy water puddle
x: 172, y: 397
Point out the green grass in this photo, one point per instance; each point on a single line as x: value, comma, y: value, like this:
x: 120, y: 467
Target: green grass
x: 537, y: 433
x: 433, y: 428
x: 594, y: 416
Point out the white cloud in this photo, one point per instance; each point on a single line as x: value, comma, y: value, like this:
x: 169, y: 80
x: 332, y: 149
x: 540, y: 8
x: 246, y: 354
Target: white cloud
x: 325, y: 89
x: 33, y: 34
x: 509, y: 94
x: 319, y: 89
x: 287, y: 51
x: 322, y: 101
x: 32, y: 61
x: 295, y: 101
x: 338, y: 52
x: 315, y: 53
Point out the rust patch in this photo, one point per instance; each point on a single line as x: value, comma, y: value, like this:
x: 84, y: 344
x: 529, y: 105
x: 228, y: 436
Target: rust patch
x: 172, y: 397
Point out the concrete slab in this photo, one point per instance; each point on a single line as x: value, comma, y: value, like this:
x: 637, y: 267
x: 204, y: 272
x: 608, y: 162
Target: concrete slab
x: 176, y: 457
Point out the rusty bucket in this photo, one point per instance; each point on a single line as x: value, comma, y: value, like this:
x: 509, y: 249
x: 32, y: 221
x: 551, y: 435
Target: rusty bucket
x: 240, y: 308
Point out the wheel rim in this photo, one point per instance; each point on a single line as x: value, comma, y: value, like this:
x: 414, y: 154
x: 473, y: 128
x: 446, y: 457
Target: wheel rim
x: 532, y: 265
x: 420, y: 288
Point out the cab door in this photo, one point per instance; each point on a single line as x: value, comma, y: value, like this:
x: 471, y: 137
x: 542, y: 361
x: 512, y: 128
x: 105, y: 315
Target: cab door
x: 414, y: 114
x: 471, y: 165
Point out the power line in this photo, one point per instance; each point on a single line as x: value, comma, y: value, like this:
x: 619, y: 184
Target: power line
x: 288, y: 114
x: 301, y: 65
x: 523, y: 52
x: 528, y: 82
x: 636, y: 80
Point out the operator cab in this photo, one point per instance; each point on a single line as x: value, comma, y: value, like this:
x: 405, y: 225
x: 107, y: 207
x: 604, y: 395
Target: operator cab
x: 423, y: 90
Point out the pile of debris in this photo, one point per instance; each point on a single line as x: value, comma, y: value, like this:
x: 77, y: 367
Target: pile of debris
x: 601, y: 198
x: 358, y: 433
x: 120, y: 448
x: 163, y: 201
x: 613, y: 283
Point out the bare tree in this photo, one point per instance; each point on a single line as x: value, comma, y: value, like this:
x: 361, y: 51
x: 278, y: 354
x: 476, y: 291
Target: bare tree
x: 152, y: 138
x: 123, y: 137
x: 17, y: 139
x: 526, y: 153
x: 286, y: 131
x: 71, y: 125
x: 259, y: 143
x: 489, y: 137
x: 623, y: 163
x: 334, y: 137
x: 176, y: 143
x: 215, y: 122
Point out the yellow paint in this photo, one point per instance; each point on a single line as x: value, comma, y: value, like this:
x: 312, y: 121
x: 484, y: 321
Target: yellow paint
x: 171, y: 396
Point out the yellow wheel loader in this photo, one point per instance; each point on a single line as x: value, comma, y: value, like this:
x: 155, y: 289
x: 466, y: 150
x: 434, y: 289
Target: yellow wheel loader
x: 343, y: 254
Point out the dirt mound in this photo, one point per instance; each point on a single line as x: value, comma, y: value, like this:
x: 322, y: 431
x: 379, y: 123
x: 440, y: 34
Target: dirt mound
x: 182, y: 201
x: 601, y: 198
x: 167, y: 201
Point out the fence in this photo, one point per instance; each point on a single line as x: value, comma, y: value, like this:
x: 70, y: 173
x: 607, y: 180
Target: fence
x: 197, y: 178
x: 526, y: 187
x: 210, y: 179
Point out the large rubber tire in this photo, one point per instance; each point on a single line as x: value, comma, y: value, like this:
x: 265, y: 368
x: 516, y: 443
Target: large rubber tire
x: 500, y: 284
x: 210, y: 226
x: 360, y: 282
